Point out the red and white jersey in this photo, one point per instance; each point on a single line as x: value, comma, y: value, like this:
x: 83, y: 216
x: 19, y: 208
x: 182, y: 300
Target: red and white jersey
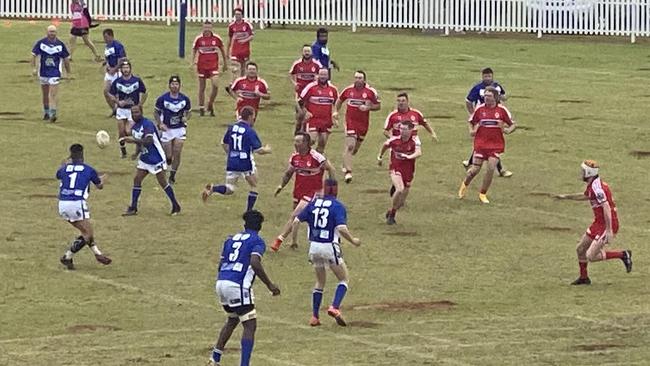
x: 305, y: 72
x: 354, y: 98
x: 245, y: 90
x: 490, y: 123
x: 236, y: 32
x: 319, y: 100
x: 309, y: 169
x: 208, y: 50
x: 598, y: 193
x: 397, y: 148
x: 396, y: 117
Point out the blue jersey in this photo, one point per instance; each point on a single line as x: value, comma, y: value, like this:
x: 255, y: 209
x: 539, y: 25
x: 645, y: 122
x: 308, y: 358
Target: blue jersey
x: 243, y: 141
x: 477, y: 92
x: 323, y: 215
x: 152, y: 154
x: 75, y: 181
x: 128, y: 90
x: 51, y: 54
x: 321, y: 53
x: 172, y: 110
x: 113, y: 52
x: 236, y: 257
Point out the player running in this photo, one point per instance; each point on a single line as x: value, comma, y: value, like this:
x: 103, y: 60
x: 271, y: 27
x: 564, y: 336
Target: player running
x: 240, y: 142
x: 317, y: 103
x: 486, y: 125
x: 303, y: 72
x: 126, y: 92
x: 322, y: 53
x: 249, y: 90
x: 360, y: 99
x: 81, y: 28
x: 404, y: 112
x: 115, y: 55
x: 240, y: 35
x: 592, y: 246
x: 240, y: 264
x: 152, y: 160
x: 75, y: 177
x: 404, y: 150
x: 172, y: 111
x: 206, y: 60
x: 51, y: 52
x: 309, y: 166
x: 475, y: 97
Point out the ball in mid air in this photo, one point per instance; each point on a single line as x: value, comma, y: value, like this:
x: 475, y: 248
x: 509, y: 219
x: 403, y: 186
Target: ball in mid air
x: 103, y: 138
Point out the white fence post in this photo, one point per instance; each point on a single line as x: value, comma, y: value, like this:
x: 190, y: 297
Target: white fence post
x: 355, y: 14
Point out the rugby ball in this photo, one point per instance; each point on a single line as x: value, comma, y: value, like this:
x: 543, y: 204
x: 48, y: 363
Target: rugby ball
x: 103, y: 138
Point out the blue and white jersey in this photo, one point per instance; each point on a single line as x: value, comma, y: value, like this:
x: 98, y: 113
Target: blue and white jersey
x: 236, y: 257
x: 152, y: 154
x: 75, y: 181
x: 51, y: 54
x: 113, y: 52
x: 172, y: 109
x: 321, y: 53
x: 323, y: 215
x: 128, y: 90
x: 243, y: 141
x: 477, y: 92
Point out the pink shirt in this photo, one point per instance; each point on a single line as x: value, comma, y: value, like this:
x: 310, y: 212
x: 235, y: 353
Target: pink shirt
x: 78, y: 18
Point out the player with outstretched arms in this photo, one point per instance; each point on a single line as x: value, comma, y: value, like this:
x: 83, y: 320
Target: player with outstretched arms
x: 249, y: 90
x: 240, y: 35
x: 303, y: 72
x: 205, y: 56
x: 114, y: 54
x: 75, y: 176
x: 593, y: 244
x: 317, y: 102
x: 126, y: 92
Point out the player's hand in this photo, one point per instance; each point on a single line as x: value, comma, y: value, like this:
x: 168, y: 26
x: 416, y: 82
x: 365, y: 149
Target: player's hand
x: 335, y: 65
x: 379, y: 161
x: 134, y: 156
x: 34, y: 72
x: 434, y: 137
x: 277, y: 191
x: 609, y: 236
x: 561, y: 196
x: 267, y: 148
x: 308, y: 115
x: 274, y: 289
x: 103, y: 178
x: 364, y: 107
x: 356, y: 242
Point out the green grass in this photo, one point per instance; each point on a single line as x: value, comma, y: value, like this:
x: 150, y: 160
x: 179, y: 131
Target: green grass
x: 506, y: 266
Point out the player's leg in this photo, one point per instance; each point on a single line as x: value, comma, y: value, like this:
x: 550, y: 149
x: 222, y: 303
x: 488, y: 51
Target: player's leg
x: 317, y: 294
x: 201, y: 94
x: 224, y: 189
x: 472, y: 172
x: 581, y: 250
x: 300, y: 119
x: 86, y: 229
x: 109, y: 102
x: 313, y: 135
x: 340, y: 270
x: 45, y: 91
x: 322, y: 141
x: 349, y: 147
x: 177, y: 149
x: 89, y: 43
x: 214, y: 90
x: 252, y: 193
x: 73, y: 45
x: 289, y: 226
x: 357, y: 144
x: 398, y: 183
x: 53, y: 100
x: 224, y: 335
x: 487, y: 178
x: 169, y: 191
x: 140, y: 174
x: 597, y: 252
x: 247, y: 341
x: 121, y: 133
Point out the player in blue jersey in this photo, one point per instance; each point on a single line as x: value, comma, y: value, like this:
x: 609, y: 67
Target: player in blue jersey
x: 240, y: 142
x: 115, y: 54
x: 327, y: 221
x: 75, y: 177
x: 321, y: 52
x: 52, y: 53
x: 151, y: 160
x: 240, y: 264
x: 475, y: 97
x: 126, y: 91
x: 172, y: 111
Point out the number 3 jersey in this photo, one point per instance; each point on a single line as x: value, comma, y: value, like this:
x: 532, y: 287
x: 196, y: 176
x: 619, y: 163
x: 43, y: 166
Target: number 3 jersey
x: 243, y: 141
x: 323, y: 215
x: 153, y: 153
x: 75, y: 181
x: 236, y: 257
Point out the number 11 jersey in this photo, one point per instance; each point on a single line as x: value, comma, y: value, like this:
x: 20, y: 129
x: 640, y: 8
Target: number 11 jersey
x: 243, y: 141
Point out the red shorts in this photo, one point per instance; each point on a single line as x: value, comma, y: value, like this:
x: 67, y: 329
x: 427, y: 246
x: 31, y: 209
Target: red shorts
x: 241, y: 57
x: 304, y: 195
x: 207, y: 72
x: 406, y: 174
x: 485, y: 154
x: 597, y: 229
x: 319, y: 126
x: 356, y: 129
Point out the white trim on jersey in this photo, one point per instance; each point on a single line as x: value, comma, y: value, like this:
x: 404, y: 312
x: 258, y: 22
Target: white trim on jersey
x: 599, y: 192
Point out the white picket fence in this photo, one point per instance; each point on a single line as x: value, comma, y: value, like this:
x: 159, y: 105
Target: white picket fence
x: 595, y: 17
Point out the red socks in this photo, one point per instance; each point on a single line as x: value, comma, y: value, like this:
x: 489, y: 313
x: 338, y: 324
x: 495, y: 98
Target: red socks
x: 613, y: 255
x: 583, y: 270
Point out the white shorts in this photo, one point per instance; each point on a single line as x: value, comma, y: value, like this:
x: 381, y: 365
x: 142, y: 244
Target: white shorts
x: 74, y: 210
x: 153, y: 169
x: 325, y: 254
x: 233, y: 295
x: 173, y: 134
x: 50, y: 81
x: 111, y: 78
x: 123, y: 113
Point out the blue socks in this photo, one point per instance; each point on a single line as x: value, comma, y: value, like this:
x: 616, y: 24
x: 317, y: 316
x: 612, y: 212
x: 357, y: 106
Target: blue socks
x: 341, y: 289
x: 246, y: 351
x: 316, y: 299
x: 170, y: 193
x: 221, y: 189
x: 216, y: 355
x: 252, y: 198
x: 135, y: 194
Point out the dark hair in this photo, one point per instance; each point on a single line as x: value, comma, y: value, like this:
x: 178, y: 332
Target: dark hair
x: 321, y: 31
x: 331, y: 187
x: 253, y: 220
x: 238, y: 9
x: 403, y: 94
x: 251, y: 63
x: 487, y: 70
x: 246, y: 112
x: 362, y: 73
x: 305, y: 136
x: 125, y: 62
x: 174, y: 78
x: 207, y: 22
x: 108, y: 31
x: 493, y: 91
x: 76, y: 152
x: 306, y: 45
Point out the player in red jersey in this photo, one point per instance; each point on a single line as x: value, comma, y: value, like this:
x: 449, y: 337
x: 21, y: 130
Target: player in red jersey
x: 592, y: 245
x: 206, y: 60
x: 360, y: 99
x: 250, y: 89
x: 309, y: 166
x: 486, y: 125
x: 240, y: 35
x: 317, y: 102
x: 405, y: 112
x: 303, y: 72
x: 403, y: 152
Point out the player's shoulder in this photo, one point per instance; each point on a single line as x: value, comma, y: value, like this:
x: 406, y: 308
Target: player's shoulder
x: 317, y: 155
x: 296, y: 63
x: 310, y: 85
x: 392, y: 140
x: 347, y: 89
x: 260, y: 80
x: 331, y: 85
x: 417, y: 112
x: 371, y: 89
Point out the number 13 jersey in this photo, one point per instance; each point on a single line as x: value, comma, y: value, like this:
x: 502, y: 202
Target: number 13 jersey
x: 324, y: 215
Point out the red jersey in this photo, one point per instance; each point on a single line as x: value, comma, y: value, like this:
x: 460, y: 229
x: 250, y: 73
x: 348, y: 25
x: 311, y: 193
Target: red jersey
x: 356, y: 97
x: 245, y: 89
x: 208, y: 50
x: 319, y: 101
x: 305, y: 71
x: 397, y: 148
x: 490, y: 126
x: 598, y: 193
x: 236, y: 32
x: 309, y: 169
x: 395, y: 117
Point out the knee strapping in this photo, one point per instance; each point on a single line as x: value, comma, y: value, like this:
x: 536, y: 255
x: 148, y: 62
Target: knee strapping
x: 78, y: 244
x: 248, y: 316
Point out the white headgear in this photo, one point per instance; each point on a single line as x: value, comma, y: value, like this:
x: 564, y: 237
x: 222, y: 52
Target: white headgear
x: 589, y: 168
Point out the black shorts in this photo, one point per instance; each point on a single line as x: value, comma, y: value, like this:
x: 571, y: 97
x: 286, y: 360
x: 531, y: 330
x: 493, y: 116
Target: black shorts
x: 79, y: 31
x: 239, y: 310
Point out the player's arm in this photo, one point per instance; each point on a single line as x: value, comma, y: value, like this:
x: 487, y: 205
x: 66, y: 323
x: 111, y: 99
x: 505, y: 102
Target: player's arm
x: 416, y: 154
x: 335, y: 65
x: 33, y: 64
x: 469, y: 105
x: 194, y: 58
x: 572, y: 196
x: 375, y: 106
x: 232, y: 91
x: 143, y: 98
x: 256, y: 264
x: 345, y: 233
x: 264, y: 150
x: 609, y: 232
x: 383, y: 149
x: 264, y: 95
x: 331, y: 172
x: 286, y: 177
x: 157, y: 112
x: 508, y: 130
x: 66, y: 65
x: 429, y: 129
x: 225, y: 58
x: 472, y: 128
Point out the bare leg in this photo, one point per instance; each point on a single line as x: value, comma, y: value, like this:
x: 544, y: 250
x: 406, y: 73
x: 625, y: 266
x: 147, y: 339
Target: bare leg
x: 213, y: 92
x: 489, y: 174
x: 473, y: 171
x: 90, y: 45
x: 73, y: 45
x: 45, y: 91
x: 202, y: 93
x: 348, y: 150
x: 322, y: 142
